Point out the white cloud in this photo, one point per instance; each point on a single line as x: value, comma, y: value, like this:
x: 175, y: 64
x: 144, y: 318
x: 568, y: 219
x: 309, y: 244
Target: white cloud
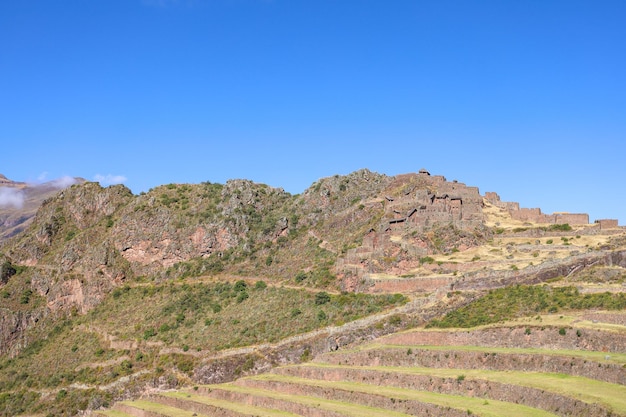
x: 11, y: 197
x: 109, y: 179
x: 63, y: 182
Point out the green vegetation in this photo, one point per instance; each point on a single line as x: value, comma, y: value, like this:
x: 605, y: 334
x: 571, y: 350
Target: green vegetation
x: 560, y: 227
x: 189, y: 317
x: 224, y: 315
x: 522, y: 301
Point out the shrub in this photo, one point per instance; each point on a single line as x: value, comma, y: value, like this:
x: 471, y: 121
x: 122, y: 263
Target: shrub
x: 395, y: 320
x: 322, y: 298
x: 426, y: 260
x: 306, y: 355
x: 25, y: 297
x: 562, y: 331
x: 149, y: 333
x: 61, y: 394
x: 565, y: 227
x: 242, y: 296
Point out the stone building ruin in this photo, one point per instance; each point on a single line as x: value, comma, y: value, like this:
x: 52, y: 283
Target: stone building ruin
x: 435, y: 201
x: 534, y: 215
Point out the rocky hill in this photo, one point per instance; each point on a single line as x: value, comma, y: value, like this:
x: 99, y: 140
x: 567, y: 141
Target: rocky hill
x: 19, y: 202
x: 107, y: 295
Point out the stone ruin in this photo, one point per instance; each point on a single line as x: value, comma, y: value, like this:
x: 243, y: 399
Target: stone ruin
x: 534, y: 215
x: 420, y: 202
x: 435, y: 201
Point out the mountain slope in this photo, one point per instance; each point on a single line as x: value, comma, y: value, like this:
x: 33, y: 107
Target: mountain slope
x: 107, y: 294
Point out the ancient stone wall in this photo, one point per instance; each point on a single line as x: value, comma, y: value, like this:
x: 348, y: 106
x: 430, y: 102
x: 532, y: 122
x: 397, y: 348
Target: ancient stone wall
x: 607, y: 223
x: 571, y: 218
x: 535, y: 215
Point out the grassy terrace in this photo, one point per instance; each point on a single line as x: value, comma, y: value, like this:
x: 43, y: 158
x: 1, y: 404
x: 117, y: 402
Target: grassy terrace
x: 349, y: 409
x: 228, y: 405
x: 480, y: 406
x: 587, y: 390
x: 112, y: 413
x: 592, y: 356
x: 161, y: 409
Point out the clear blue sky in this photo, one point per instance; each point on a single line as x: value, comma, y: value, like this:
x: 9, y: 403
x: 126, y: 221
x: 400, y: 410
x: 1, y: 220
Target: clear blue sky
x: 525, y: 98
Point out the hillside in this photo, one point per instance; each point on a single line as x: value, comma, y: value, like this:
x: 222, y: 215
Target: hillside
x: 108, y: 296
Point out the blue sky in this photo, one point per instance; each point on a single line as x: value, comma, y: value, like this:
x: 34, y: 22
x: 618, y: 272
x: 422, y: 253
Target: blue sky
x: 525, y: 98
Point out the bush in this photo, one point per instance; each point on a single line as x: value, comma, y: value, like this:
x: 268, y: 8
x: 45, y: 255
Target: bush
x: 149, y: 333
x: 240, y: 286
x: 322, y: 298
x: 426, y: 260
x: 25, y: 297
x: 565, y: 227
x: 301, y: 276
x: 242, y: 296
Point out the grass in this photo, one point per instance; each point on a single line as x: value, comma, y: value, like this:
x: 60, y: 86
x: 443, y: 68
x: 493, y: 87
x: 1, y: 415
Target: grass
x: 170, y: 326
x: 216, y: 316
x: 112, y: 413
x: 526, y: 300
x: 349, y: 409
x: 593, y: 356
x: 228, y: 405
x: 493, y: 408
x: 53, y: 362
x: 587, y: 390
x: 160, y: 409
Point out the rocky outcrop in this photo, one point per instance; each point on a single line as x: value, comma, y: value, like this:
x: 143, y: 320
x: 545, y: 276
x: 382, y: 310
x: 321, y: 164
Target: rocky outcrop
x: 13, y: 326
x: 420, y: 214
